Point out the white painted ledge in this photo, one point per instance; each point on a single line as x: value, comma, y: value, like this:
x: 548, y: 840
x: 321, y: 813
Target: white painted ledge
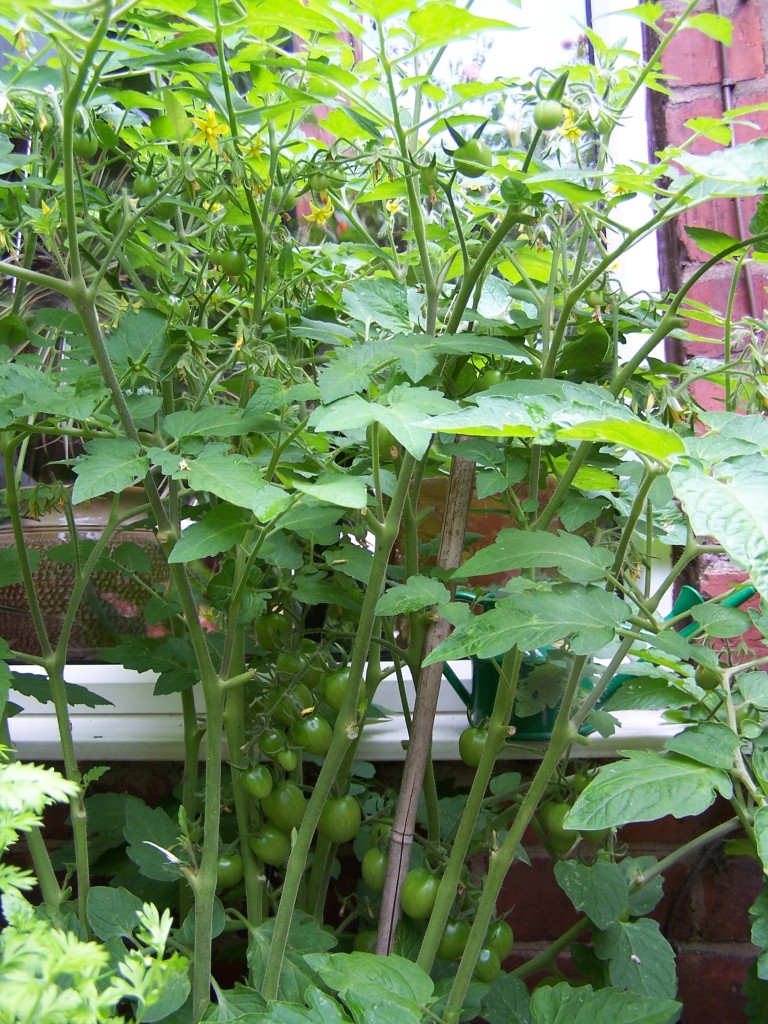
x: 142, y: 727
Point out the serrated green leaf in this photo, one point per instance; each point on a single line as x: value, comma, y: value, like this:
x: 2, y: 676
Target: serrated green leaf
x: 144, y: 825
x: 112, y: 911
x: 395, y: 985
x: 720, y: 621
x: 587, y: 616
x: 218, y: 530
x: 507, y: 1001
x: 562, y: 1004
x: 712, y: 242
x: 419, y: 592
x: 717, y: 26
x: 336, y: 489
x: 711, y: 743
x: 524, y: 549
x: 639, y: 958
x: 753, y: 687
x: 733, y: 511
x: 109, y: 466
x: 379, y: 301
x: 647, y: 438
x: 599, y: 890
x: 646, y: 786
x: 221, y: 421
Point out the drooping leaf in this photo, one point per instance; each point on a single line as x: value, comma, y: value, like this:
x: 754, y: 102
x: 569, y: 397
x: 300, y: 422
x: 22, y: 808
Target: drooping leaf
x: 646, y: 786
x: 576, y: 559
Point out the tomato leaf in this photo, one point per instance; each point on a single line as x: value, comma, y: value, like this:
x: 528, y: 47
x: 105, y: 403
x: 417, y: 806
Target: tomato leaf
x: 561, y: 1004
x: 646, y: 786
x: 639, y: 958
x: 599, y: 890
x: 109, y: 465
x: 218, y: 530
x: 519, y: 549
x: 418, y: 592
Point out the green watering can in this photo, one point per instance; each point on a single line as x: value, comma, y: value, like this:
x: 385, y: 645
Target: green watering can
x: 485, y: 675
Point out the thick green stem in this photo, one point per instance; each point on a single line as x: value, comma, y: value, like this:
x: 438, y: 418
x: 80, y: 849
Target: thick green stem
x: 346, y: 731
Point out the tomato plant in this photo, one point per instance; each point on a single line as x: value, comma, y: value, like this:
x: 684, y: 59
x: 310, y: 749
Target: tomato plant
x: 548, y: 114
x: 340, y: 819
x: 258, y: 781
x: 488, y: 379
x: 708, y: 678
x: 418, y: 893
x: 285, y: 805
x: 145, y: 185
x: 272, y: 742
x: 318, y: 182
x: 229, y: 870
x: 291, y: 702
x: 453, y: 940
x: 271, y: 845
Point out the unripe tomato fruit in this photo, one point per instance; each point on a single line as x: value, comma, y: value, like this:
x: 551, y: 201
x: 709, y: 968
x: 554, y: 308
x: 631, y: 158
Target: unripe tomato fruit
x: 489, y: 379
x: 500, y: 938
x: 548, y: 114
x: 488, y: 966
x: 84, y: 145
x: 340, y: 819
x: 287, y: 759
x: 272, y: 742
x: 313, y: 734
x: 234, y: 263
x: 471, y: 745
x: 258, y: 781
x: 272, y: 629
x: 454, y: 940
x: 707, y: 678
x: 374, y: 869
x: 418, y: 894
x: 145, y: 185
x: 291, y: 701
x: 229, y: 870
x: 318, y: 181
x: 285, y: 805
x: 365, y: 941
x: 551, y: 816
x: 473, y: 158
x: 271, y: 845
x: 333, y: 686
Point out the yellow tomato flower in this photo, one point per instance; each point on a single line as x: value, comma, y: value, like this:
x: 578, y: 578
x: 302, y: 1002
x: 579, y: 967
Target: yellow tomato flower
x: 394, y: 206
x: 319, y: 214
x: 254, y: 147
x: 210, y: 127
x: 568, y: 128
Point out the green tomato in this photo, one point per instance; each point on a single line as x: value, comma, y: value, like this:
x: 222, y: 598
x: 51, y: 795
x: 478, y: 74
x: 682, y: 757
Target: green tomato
x: 381, y: 832
x: 374, y: 869
x: 340, y: 819
x: 454, y: 940
x: 216, y: 256
x: 473, y: 158
x: 489, y: 379
x: 594, y: 297
x: 288, y: 759
x: 285, y: 805
x: 428, y: 174
x: 708, y: 678
x: 145, y: 185
x: 551, y: 816
x: 84, y: 145
x: 258, y: 781
x: 500, y: 938
x: 272, y: 742
x: 548, y: 114
x: 271, y: 845
x: 272, y: 631
x: 471, y: 745
x: 164, y: 210
x: 234, y: 263
x: 487, y: 966
x: 318, y: 182
x: 596, y: 836
x: 333, y: 686
x: 111, y: 218
x: 229, y: 870
x: 289, y: 663
x: 313, y: 734
x: 365, y: 941
x: 418, y: 893
x: 290, y: 703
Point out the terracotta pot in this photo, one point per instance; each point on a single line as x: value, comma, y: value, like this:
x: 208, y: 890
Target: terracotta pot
x: 113, y: 602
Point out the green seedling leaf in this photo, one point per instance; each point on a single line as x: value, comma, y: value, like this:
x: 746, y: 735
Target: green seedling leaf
x: 646, y: 786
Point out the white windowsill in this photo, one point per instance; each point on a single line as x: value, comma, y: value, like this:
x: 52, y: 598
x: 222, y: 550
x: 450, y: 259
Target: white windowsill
x: 142, y: 727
